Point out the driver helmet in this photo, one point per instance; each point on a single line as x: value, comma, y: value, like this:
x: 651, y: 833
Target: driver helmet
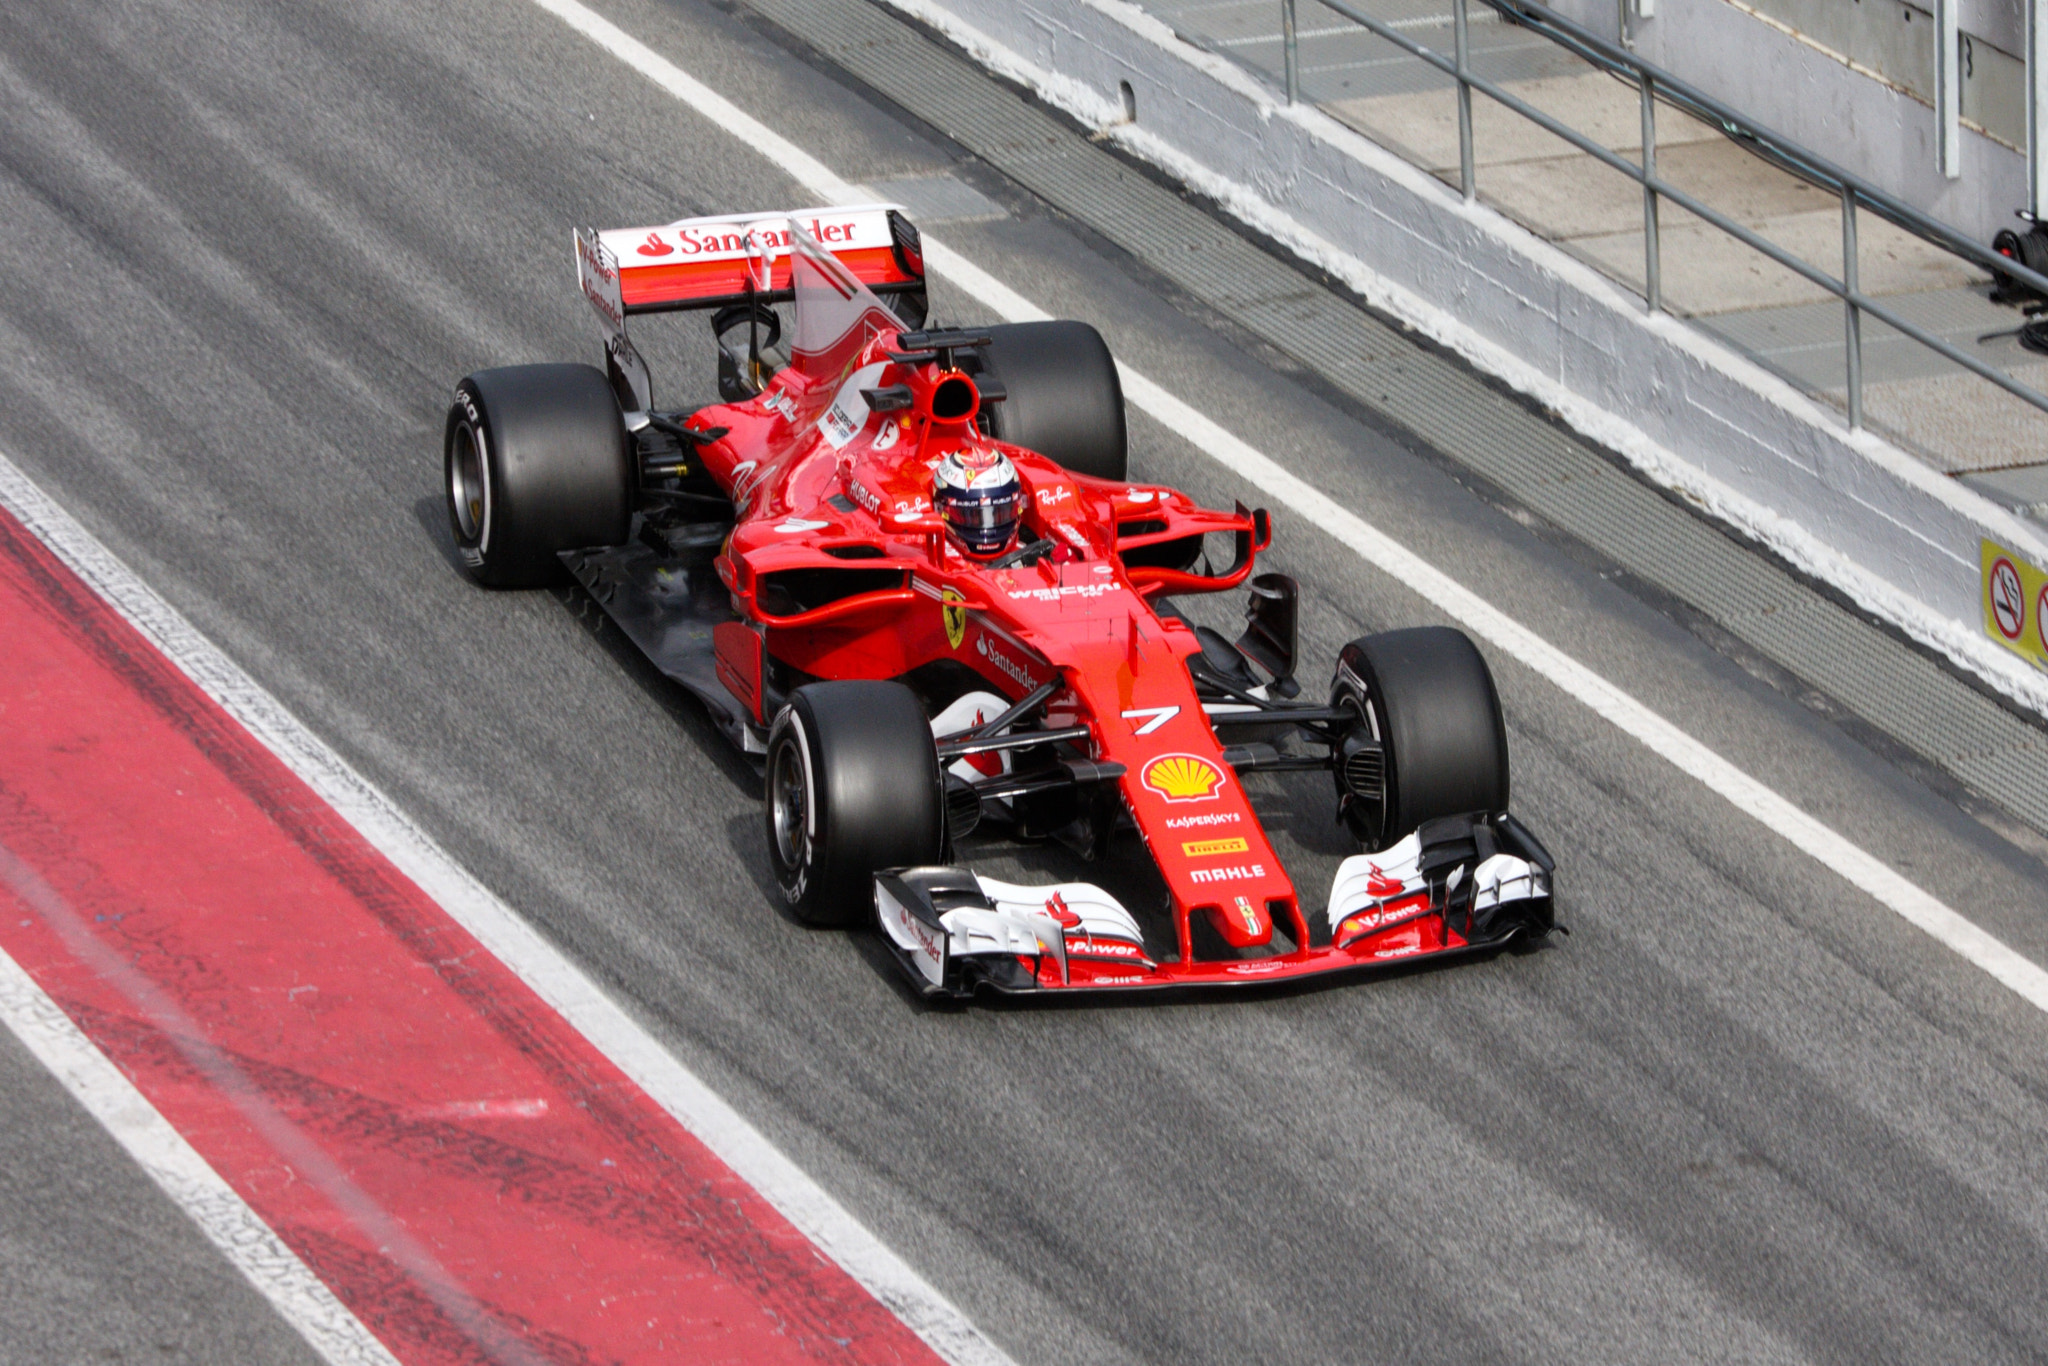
x: 978, y: 494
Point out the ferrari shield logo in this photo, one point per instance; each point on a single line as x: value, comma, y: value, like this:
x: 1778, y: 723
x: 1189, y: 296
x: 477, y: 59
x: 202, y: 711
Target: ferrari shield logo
x: 1250, y: 917
x: 953, y: 611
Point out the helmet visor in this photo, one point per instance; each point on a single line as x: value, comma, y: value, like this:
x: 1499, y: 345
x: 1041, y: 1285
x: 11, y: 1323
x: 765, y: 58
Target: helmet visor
x: 982, y: 521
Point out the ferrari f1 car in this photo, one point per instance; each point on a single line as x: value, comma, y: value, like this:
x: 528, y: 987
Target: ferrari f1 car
x: 904, y: 568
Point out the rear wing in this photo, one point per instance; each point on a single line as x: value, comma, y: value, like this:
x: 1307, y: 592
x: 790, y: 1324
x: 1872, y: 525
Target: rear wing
x: 710, y: 263
x: 714, y: 262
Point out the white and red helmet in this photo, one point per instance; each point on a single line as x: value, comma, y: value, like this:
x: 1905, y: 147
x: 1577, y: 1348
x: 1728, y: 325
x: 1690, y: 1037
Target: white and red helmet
x: 979, y: 495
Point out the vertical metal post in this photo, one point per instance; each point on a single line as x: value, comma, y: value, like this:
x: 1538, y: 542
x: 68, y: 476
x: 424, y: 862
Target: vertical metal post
x: 1948, y: 88
x: 1653, y: 283
x: 1466, y: 180
x: 2037, y: 95
x: 1288, y: 52
x: 1852, y: 319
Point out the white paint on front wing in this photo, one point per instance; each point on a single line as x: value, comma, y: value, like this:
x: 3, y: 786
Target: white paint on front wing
x: 1101, y: 915
x: 1351, y: 891
x: 1020, y: 922
x: 972, y: 930
x: 925, y: 945
x: 1506, y: 878
x: 1365, y: 881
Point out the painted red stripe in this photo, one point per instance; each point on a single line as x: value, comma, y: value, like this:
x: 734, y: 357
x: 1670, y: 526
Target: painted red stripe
x: 470, y: 1175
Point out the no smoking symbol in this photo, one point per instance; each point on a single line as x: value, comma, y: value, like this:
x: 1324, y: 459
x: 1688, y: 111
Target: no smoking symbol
x: 2008, y: 604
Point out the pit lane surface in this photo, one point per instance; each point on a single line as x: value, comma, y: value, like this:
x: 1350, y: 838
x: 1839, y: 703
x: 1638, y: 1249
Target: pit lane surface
x: 1742, y: 1112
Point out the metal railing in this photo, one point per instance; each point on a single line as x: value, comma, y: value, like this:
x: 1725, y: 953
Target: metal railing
x: 1655, y: 85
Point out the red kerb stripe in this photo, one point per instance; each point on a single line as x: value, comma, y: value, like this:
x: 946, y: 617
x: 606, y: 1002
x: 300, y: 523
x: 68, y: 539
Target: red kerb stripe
x: 470, y: 1175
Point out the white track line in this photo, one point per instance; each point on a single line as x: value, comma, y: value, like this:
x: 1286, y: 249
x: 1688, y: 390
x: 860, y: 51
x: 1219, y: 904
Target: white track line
x: 161, y: 1151
x: 538, y: 963
x: 299, y: 1153
x: 1860, y: 868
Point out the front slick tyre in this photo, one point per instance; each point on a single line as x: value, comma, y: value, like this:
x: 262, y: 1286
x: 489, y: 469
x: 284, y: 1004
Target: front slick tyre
x: 852, y: 787
x: 1437, y: 716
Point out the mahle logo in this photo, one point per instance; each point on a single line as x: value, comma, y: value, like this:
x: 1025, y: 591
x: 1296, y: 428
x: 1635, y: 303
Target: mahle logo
x: 1183, y: 778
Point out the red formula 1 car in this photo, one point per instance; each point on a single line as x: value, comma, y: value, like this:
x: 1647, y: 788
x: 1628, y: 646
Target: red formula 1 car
x: 904, y: 567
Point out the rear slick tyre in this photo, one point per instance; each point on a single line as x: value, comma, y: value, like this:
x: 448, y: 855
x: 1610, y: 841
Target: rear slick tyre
x: 537, y: 461
x: 852, y: 787
x: 1431, y: 706
x: 1063, y: 398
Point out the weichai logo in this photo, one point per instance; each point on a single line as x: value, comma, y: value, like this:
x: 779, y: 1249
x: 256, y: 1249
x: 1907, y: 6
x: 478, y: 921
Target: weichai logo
x: 1183, y: 778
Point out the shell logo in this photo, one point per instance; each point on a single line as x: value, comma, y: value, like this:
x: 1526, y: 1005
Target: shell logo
x: 1183, y: 778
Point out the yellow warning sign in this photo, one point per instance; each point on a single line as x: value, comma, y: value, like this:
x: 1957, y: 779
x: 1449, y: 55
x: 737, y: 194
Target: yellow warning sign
x: 2015, y: 603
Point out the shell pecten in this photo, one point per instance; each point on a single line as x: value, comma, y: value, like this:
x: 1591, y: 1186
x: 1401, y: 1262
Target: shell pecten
x: 1183, y: 778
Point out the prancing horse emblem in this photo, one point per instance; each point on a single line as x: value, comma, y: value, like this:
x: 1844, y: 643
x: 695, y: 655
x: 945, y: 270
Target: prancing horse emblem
x: 953, y: 611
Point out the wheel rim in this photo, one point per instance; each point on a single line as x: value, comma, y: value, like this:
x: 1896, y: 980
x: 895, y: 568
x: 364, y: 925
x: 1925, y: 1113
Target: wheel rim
x: 787, y: 801
x: 468, y: 491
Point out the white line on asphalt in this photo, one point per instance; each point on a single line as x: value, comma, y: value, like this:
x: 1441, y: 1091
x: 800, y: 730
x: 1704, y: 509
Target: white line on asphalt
x: 503, y: 933
x: 298, y: 1151
x: 1860, y: 868
x: 248, y: 1243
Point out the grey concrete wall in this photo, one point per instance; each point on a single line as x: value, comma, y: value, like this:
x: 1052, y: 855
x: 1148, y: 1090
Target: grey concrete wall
x: 1847, y: 507
x: 1861, y: 124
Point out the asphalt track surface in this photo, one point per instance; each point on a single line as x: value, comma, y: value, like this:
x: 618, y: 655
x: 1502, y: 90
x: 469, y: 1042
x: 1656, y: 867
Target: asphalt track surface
x: 1742, y: 1112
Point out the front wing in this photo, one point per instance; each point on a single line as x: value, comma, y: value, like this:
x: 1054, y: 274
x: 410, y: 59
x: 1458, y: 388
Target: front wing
x: 1456, y: 885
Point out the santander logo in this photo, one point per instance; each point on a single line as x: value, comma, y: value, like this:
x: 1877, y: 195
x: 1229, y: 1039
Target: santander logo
x: 654, y: 246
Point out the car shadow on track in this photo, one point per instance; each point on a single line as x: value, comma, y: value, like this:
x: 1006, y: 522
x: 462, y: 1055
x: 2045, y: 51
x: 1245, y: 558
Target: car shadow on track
x: 747, y: 836
x: 676, y: 702
x: 431, y: 512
